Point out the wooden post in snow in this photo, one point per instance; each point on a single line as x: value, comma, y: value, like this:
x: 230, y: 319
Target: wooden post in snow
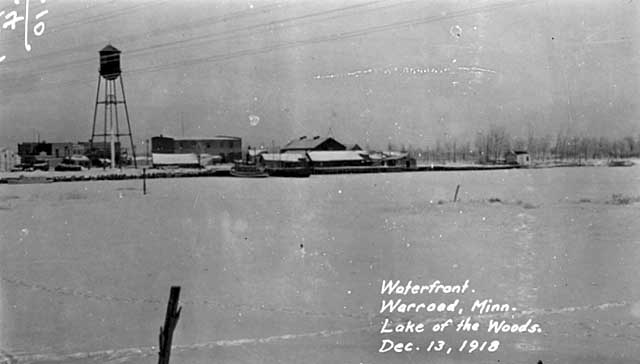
x: 455, y: 197
x: 170, y: 321
x: 144, y: 181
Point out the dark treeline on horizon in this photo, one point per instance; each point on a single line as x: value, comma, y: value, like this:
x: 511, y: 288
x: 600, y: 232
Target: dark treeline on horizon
x: 490, y: 146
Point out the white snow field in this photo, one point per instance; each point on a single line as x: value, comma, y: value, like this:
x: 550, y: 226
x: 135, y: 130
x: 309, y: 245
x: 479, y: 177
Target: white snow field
x: 282, y: 270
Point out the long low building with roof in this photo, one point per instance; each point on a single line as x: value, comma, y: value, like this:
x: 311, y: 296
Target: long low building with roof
x: 317, y: 143
x: 175, y: 159
x: 229, y: 148
x: 282, y: 159
x: 342, y: 158
x: 285, y: 164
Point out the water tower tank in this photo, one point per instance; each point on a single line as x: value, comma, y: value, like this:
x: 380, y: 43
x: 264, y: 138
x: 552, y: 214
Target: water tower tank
x: 110, y: 62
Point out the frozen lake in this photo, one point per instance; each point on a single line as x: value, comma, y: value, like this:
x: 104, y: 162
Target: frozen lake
x: 290, y: 270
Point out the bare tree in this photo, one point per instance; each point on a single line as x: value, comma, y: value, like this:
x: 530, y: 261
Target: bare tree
x: 482, y: 146
x: 498, y: 141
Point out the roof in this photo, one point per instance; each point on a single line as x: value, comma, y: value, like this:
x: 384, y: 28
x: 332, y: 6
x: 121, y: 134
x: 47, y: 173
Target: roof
x: 174, y: 159
x: 80, y: 158
x: 43, y: 142
x: 390, y: 155
x: 227, y: 137
x: 284, y: 157
x: 305, y: 143
x: 396, y: 156
x: 199, y: 138
x: 337, y: 155
x: 256, y: 152
x: 109, y: 49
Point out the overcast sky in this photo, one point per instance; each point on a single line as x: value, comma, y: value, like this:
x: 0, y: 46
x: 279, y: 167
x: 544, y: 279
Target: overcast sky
x: 368, y: 72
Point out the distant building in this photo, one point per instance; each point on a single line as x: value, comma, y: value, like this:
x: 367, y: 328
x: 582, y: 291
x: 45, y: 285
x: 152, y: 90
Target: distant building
x: 229, y: 148
x: 66, y: 149
x: 342, y: 158
x: 399, y: 159
x: 100, y: 151
x: 393, y: 159
x: 304, y: 144
x: 519, y: 157
x: 8, y: 159
x: 33, y: 149
x: 353, y: 147
x: 282, y: 160
x: 55, y: 152
x: 186, y: 160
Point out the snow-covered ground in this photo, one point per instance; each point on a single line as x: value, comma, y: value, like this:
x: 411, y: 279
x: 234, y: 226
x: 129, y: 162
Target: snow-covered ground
x: 283, y: 270
x: 93, y: 172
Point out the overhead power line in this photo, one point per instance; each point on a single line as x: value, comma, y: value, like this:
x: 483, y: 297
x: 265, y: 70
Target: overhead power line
x: 338, y: 36
x: 207, y: 38
x: 320, y: 39
x: 208, y: 21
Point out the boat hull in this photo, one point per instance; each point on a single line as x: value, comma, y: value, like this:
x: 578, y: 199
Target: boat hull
x: 289, y: 172
x: 248, y: 171
x: 247, y: 174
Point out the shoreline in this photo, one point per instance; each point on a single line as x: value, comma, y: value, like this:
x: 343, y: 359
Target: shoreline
x: 97, y: 174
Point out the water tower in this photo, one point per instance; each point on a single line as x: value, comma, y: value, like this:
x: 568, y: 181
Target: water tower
x: 110, y: 72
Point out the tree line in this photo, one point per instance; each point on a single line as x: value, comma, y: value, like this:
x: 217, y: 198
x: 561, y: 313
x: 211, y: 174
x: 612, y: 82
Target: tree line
x: 491, y: 146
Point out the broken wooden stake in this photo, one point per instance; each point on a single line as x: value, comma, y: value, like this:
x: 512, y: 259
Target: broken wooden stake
x: 170, y: 321
x: 455, y: 197
x: 144, y: 181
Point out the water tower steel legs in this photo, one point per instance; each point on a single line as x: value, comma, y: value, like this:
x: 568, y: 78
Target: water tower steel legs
x: 95, y: 113
x: 106, y: 108
x: 112, y: 131
x: 115, y: 113
x: 126, y: 112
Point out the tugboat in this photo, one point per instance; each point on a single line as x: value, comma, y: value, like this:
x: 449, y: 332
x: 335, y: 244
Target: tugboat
x: 285, y: 165
x: 248, y: 170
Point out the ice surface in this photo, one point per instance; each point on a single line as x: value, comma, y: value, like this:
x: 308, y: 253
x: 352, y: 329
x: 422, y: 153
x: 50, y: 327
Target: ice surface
x: 289, y: 270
